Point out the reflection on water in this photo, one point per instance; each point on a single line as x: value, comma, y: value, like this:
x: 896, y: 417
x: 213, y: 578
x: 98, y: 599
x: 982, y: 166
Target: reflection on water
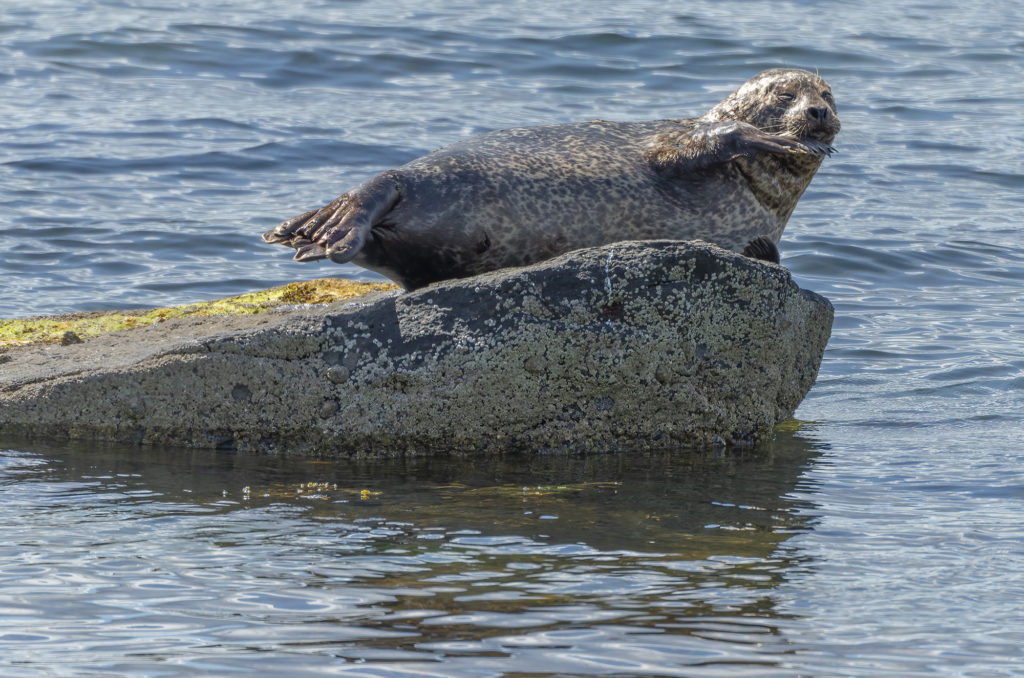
x: 133, y: 561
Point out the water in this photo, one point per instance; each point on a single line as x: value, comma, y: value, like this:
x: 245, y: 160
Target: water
x: 144, y: 148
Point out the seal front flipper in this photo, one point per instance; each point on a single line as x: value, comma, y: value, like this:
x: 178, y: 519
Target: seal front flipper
x: 338, y: 230
x: 762, y: 248
x: 711, y: 143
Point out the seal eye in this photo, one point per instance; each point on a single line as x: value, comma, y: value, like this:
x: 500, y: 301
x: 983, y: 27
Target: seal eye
x: 786, y: 96
x: 827, y: 96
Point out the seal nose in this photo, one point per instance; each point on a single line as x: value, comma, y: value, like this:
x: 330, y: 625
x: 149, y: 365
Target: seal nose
x: 819, y: 113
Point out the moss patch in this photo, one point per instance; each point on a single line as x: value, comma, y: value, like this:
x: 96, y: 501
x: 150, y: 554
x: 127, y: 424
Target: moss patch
x: 54, y: 329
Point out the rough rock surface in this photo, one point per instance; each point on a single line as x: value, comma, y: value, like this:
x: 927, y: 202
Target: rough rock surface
x: 626, y: 346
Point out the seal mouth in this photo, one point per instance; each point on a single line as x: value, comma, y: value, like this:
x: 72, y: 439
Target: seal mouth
x: 815, y: 142
x: 823, y: 133
x: 824, y: 129
x: 817, y: 138
x: 817, y: 146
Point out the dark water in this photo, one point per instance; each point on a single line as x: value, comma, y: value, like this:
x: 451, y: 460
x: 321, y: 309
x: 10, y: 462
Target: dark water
x: 143, y: 148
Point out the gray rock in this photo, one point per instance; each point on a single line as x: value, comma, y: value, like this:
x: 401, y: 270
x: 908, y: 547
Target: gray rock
x: 627, y: 346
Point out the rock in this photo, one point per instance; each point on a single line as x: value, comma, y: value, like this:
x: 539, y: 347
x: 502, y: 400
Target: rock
x: 69, y: 338
x: 627, y: 346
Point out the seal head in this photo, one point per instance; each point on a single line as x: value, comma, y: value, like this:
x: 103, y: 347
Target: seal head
x: 513, y: 197
x: 785, y: 102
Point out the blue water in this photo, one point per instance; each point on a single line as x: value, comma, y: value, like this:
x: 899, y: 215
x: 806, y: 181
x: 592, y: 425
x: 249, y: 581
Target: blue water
x: 143, y: 148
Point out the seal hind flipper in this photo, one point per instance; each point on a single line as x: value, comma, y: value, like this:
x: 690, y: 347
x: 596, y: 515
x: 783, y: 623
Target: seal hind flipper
x: 308, y: 251
x: 710, y: 143
x: 338, y: 230
x: 764, y: 249
x: 284, y: 232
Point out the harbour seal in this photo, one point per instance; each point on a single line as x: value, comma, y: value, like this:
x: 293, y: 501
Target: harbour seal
x: 517, y: 196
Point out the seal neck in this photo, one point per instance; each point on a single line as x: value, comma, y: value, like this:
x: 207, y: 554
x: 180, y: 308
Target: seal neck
x: 777, y: 181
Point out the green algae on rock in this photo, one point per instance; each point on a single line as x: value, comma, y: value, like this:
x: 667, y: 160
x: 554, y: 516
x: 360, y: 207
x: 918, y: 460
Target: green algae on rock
x: 56, y: 329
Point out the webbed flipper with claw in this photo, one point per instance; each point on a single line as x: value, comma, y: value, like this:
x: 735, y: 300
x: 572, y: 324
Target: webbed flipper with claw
x: 710, y: 143
x: 764, y: 249
x: 339, y: 230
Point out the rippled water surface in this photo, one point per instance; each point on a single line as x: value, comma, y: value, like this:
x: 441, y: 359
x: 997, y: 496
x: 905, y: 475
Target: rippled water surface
x: 143, y: 148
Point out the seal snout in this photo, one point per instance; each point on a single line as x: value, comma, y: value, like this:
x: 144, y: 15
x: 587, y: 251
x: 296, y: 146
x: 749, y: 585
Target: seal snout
x: 821, y: 123
x: 818, y: 113
x: 816, y: 120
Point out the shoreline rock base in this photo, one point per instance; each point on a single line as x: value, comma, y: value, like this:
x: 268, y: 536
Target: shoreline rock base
x: 623, y: 347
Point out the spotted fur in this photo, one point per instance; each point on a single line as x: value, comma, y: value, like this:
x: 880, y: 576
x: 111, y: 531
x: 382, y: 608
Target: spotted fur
x: 521, y: 195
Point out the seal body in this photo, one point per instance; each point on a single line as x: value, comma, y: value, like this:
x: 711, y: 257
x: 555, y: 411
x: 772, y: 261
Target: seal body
x: 517, y: 196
